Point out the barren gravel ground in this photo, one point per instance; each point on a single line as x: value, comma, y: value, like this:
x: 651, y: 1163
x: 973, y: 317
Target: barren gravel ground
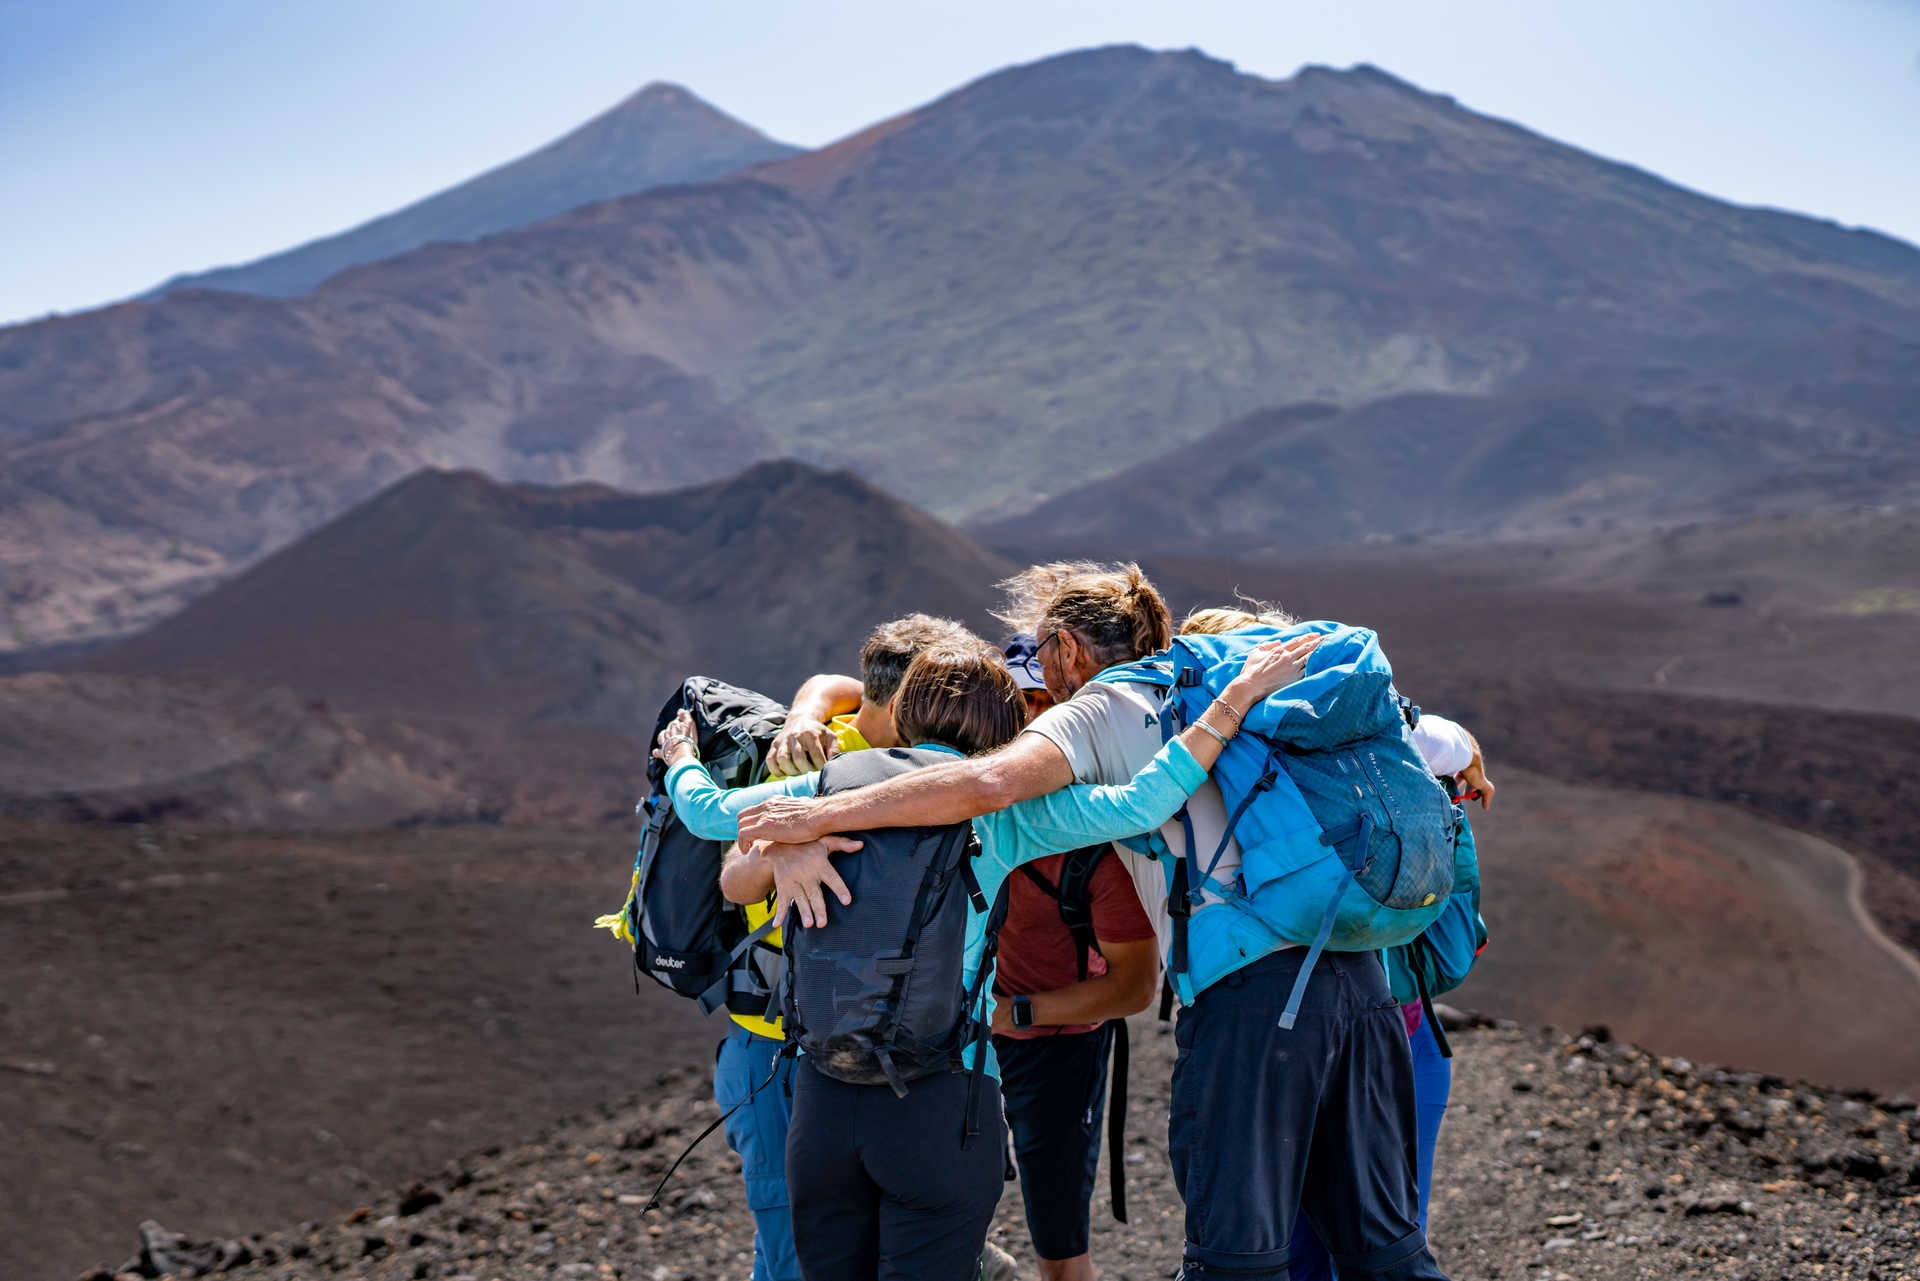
x: 1562, y: 1158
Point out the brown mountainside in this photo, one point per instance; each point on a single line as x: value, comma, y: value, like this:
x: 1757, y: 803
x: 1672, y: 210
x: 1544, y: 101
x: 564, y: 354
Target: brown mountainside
x: 521, y: 638
x: 1087, y: 262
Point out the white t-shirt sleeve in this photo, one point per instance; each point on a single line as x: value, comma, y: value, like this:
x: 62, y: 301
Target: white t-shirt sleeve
x: 1082, y: 728
x: 1444, y: 745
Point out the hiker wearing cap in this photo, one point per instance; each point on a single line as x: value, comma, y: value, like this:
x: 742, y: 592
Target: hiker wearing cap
x: 900, y: 1179
x: 1077, y: 955
x: 752, y: 1083
x: 1293, y: 1085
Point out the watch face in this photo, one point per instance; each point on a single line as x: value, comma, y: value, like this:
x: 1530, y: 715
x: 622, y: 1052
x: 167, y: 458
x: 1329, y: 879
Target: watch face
x: 1022, y: 1012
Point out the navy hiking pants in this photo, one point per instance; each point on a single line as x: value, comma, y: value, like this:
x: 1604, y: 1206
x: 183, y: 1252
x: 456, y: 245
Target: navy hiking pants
x: 1267, y: 1123
x: 1432, y: 1086
x: 882, y: 1188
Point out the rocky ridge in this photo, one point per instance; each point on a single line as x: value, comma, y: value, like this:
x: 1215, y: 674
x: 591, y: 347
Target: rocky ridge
x: 1562, y: 1157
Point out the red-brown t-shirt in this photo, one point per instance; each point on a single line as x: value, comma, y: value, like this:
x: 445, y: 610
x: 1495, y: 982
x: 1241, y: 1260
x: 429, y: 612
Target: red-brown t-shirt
x: 1037, y: 954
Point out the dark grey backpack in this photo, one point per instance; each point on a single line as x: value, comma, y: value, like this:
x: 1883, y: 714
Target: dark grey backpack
x: 876, y: 995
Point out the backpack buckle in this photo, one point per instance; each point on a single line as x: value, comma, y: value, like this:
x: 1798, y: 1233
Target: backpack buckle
x: 1188, y: 678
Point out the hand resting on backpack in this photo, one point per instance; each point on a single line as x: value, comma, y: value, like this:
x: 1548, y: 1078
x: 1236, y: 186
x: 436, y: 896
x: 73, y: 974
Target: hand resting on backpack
x: 679, y: 741
x: 749, y: 876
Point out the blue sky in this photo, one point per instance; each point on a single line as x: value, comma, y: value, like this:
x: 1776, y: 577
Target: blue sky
x: 140, y: 138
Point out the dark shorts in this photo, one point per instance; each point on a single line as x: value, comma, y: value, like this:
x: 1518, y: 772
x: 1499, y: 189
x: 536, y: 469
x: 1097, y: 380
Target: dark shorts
x: 1268, y: 1123
x: 882, y: 1187
x: 1056, y: 1089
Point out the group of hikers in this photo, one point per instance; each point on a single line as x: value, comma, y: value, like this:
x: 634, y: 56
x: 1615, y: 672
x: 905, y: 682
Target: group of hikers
x: 929, y: 897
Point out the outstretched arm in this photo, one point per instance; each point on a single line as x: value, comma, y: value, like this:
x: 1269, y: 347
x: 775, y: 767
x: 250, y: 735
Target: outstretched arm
x: 806, y: 741
x: 708, y: 810
x: 931, y: 797
x: 1029, y: 766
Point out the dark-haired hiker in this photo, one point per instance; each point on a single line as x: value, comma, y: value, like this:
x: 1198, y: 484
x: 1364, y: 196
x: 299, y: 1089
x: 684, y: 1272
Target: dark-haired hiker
x: 884, y: 1186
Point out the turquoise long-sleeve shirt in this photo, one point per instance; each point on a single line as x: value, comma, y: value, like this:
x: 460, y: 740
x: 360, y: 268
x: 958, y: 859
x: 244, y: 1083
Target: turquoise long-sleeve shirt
x: 1068, y: 819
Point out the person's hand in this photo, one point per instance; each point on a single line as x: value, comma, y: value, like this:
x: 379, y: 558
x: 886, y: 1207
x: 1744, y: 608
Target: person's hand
x: 802, y: 746
x: 1474, y: 779
x: 1267, y: 668
x: 802, y: 874
x: 789, y: 819
x: 677, y: 742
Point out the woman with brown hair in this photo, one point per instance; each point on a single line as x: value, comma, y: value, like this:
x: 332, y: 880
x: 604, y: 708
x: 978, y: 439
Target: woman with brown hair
x: 883, y: 1184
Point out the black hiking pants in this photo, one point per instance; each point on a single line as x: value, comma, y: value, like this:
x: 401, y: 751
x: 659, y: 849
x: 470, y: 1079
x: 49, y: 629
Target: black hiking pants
x: 1268, y: 1123
x: 880, y: 1187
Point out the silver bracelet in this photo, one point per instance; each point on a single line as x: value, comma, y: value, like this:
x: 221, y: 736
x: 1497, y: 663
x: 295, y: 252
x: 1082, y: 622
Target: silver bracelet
x: 1229, y: 709
x: 1211, y: 730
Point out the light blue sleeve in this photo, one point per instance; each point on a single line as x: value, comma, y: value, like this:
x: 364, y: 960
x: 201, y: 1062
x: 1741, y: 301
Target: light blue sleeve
x: 1083, y: 815
x: 712, y: 812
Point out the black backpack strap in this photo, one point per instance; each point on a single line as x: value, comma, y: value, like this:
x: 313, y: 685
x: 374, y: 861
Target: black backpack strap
x: 1117, y: 1122
x: 1075, y: 897
x: 1433, y: 1020
x: 786, y: 1051
x: 1166, y: 998
x: 976, y: 999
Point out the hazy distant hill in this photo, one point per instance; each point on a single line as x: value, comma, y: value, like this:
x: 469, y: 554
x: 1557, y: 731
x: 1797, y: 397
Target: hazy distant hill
x: 526, y: 636
x: 662, y: 134
x: 1056, y: 273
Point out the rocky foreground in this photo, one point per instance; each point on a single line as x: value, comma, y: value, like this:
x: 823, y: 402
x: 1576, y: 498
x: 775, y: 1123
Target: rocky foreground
x: 1561, y: 1159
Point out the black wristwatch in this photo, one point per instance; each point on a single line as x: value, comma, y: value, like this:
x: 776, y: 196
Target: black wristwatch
x: 1023, y: 1011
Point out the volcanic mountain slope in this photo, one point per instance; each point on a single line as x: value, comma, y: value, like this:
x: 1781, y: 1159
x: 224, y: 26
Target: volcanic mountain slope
x: 1514, y: 465
x: 532, y: 633
x: 1107, y: 254
x: 1561, y: 1157
x: 662, y: 134
x: 152, y: 448
x: 1052, y: 274
x: 129, y: 749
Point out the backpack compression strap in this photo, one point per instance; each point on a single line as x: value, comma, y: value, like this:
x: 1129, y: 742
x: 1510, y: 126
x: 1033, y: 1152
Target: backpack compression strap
x: 731, y: 979
x: 976, y: 998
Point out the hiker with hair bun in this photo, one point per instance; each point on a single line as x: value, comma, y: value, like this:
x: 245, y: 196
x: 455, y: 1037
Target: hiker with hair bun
x: 1077, y: 956
x: 897, y: 1175
x: 1308, y: 1046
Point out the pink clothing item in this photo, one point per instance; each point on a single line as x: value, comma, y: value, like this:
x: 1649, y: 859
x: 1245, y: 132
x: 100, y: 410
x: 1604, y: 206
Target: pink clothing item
x: 1412, y: 1013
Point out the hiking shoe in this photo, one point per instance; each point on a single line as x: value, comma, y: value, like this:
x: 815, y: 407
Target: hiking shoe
x: 997, y: 1265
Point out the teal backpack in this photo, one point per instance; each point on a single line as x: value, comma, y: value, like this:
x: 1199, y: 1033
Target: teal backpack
x: 1346, y: 839
x: 1441, y: 958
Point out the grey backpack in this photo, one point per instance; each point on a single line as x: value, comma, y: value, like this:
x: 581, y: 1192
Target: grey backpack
x: 877, y: 995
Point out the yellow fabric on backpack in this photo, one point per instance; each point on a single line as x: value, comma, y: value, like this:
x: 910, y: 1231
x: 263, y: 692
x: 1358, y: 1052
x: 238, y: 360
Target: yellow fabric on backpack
x: 850, y: 740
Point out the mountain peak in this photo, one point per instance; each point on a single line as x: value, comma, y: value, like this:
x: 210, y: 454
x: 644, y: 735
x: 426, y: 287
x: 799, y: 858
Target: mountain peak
x: 663, y: 134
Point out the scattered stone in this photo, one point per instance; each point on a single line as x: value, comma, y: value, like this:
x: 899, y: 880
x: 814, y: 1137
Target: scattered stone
x: 418, y: 1197
x: 164, y: 1253
x: 1697, y: 1206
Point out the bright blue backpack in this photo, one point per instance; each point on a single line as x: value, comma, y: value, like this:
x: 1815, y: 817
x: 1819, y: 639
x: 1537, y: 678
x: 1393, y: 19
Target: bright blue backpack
x: 1441, y: 958
x: 1346, y: 840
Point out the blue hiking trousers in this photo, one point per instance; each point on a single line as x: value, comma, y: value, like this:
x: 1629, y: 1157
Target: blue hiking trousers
x: 1269, y: 1124
x: 1432, y: 1085
x: 758, y: 1132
